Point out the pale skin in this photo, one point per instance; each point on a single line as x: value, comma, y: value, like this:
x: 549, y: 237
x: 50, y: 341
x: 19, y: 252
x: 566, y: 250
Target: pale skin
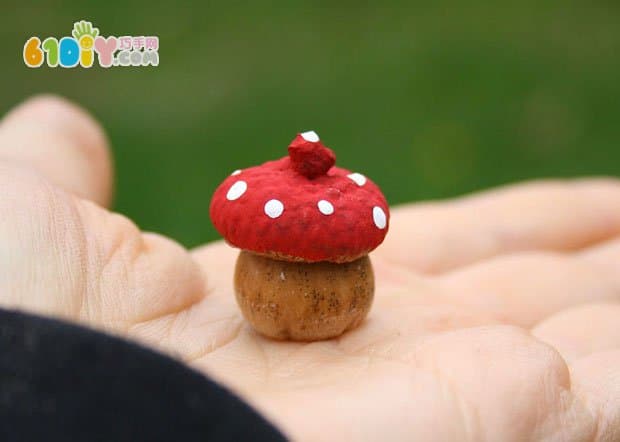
x: 496, y: 316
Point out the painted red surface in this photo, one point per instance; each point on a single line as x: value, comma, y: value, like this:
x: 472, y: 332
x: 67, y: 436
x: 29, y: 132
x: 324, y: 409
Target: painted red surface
x: 299, y: 227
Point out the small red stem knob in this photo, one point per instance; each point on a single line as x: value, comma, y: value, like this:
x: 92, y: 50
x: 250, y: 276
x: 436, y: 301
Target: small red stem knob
x: 309, y: 157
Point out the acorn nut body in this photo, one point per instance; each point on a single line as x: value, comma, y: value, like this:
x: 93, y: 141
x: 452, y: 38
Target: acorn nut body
x: 303, y: 301
x: 305, y: 228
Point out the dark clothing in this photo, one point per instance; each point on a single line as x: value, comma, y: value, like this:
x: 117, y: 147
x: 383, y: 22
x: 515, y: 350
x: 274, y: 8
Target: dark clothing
x: 62, y: 382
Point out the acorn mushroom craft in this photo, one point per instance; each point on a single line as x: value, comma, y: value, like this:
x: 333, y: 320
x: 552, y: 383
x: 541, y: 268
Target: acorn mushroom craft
x: 305, y: 228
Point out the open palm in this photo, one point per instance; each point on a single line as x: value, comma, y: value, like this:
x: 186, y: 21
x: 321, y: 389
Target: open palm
x: 496, y: 316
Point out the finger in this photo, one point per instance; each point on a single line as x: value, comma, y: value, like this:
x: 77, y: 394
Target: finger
x: 596, y: 382
x: 581, y: 331
x: 509, y: 385
x: 203, y: 324
x: 604, y: 256
x: 65, y: 256
x: 61, y: 142
x: 523, y: 289
x: 545, y: 215
x: 217, y: 261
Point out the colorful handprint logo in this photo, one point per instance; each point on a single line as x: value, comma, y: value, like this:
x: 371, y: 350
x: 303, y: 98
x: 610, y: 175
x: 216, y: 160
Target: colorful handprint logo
x: 85, y: 34
x: 86, y: 42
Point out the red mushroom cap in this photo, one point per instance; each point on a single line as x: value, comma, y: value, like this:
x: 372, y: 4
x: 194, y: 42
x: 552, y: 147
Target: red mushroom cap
x: 301, y: 207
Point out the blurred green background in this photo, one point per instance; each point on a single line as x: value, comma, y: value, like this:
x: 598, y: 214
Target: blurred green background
x: 430, y: 101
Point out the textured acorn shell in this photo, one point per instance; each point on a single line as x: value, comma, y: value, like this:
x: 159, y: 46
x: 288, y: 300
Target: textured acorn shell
x: 303, y: 301
x: 302, y: 232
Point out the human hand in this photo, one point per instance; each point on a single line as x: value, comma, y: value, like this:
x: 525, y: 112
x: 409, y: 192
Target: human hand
x: 495, y: 315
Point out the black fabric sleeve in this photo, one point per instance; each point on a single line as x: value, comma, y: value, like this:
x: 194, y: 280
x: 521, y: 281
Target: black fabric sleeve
x: 62, y: 382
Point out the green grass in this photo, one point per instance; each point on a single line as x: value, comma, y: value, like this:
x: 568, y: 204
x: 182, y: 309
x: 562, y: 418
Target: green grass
x: 429, y: 101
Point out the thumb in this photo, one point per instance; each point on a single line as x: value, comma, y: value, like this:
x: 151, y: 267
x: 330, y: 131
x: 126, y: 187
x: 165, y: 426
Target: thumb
x: 62, y: 143
x: 63, y: 255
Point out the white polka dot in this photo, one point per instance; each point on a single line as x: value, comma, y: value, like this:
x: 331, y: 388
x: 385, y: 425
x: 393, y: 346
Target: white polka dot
x: 378, y: 216
x: 310, y: 136
x: 236, y: 172
x: 358, y: 178
x: 274, y: 208
x: 325, y: 207
x: 236, y: 190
